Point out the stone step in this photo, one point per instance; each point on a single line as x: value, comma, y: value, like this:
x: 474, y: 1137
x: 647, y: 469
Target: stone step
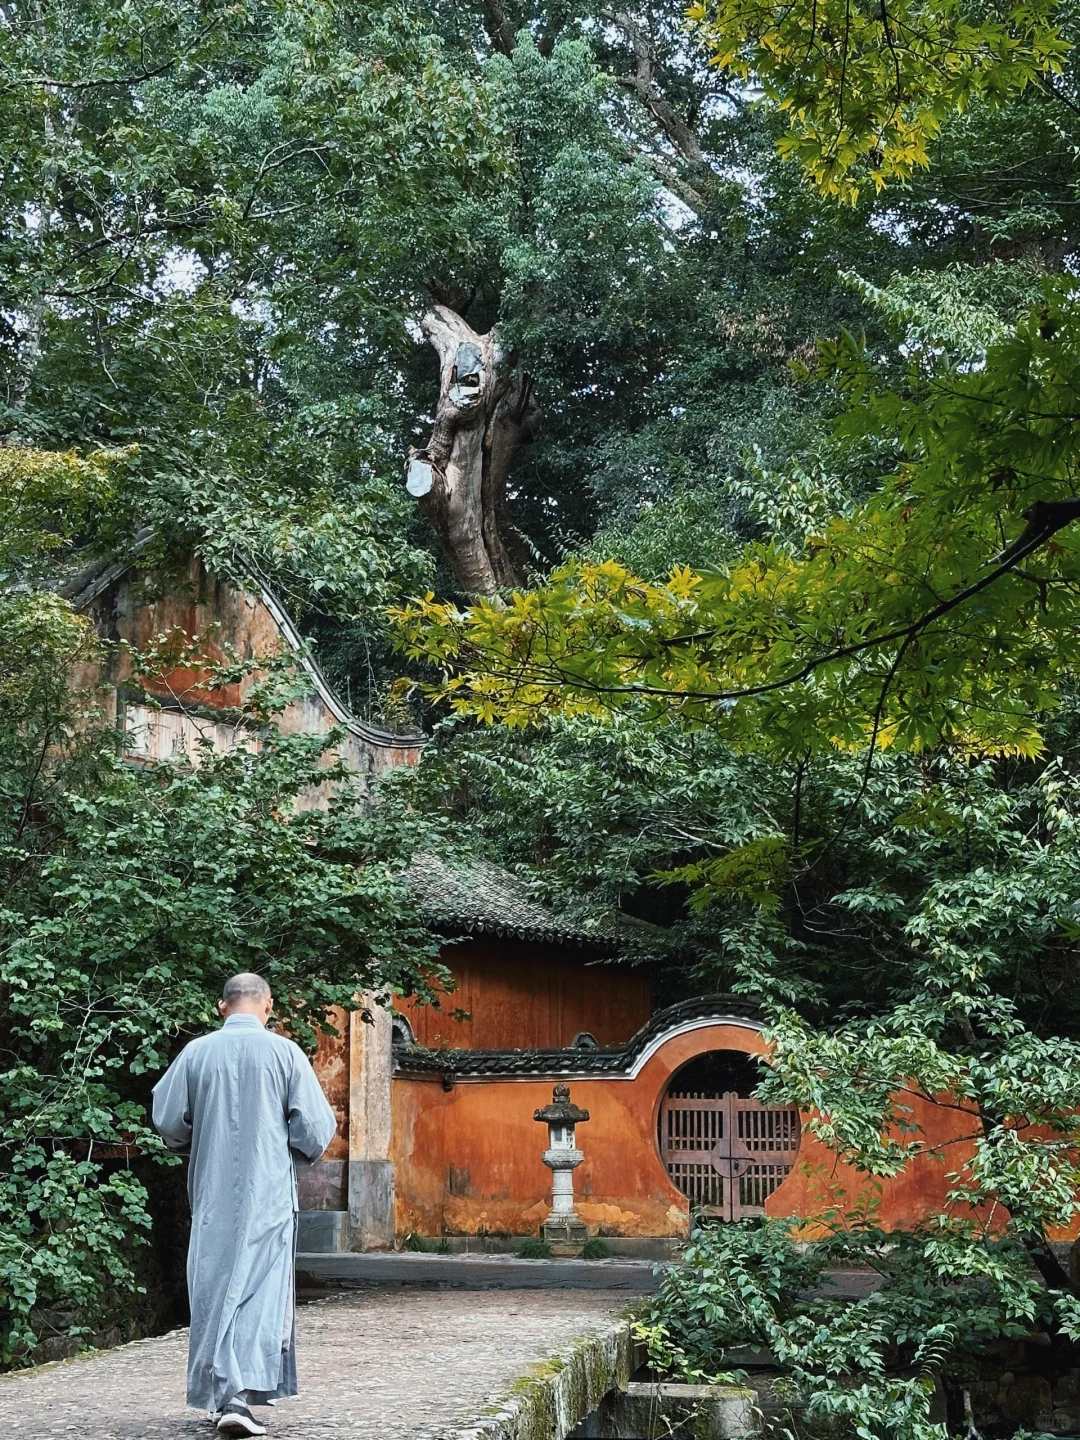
x: 677, y: 1412
x: 318, y: 1272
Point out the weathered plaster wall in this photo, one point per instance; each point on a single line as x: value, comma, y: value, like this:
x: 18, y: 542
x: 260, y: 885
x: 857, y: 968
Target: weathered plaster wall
x: 356, y: 1174
x: 331, y: 1060
x: 820, y: 1181
x: 468, y: 1160
x: 371, y: 1171
x: 174, y: 610
x: 325, y: 1185
x: 143, y: 609
x: 524, y: 995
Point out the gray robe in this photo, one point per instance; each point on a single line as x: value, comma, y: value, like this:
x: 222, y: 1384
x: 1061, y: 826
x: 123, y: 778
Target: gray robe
x: 244, y: 1101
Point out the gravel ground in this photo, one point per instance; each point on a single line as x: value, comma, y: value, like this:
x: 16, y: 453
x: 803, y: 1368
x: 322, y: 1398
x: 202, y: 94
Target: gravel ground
x: 392, y: 1364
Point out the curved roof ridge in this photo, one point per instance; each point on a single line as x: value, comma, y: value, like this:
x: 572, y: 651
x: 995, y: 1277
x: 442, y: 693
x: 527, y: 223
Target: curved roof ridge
x: 482, y: 897
x: 374, y: 734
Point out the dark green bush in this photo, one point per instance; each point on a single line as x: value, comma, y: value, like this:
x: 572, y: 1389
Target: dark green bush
x: 863, y: 1365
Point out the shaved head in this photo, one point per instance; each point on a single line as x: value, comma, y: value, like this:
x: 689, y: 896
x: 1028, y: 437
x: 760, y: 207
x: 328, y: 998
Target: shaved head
x: 246, y: 994
x: 245, y: 987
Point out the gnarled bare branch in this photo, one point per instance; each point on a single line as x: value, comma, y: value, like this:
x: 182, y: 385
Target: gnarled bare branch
x: 486, y: 412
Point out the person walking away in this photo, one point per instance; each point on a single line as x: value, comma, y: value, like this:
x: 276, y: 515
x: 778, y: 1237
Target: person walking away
x: 243, y: 1102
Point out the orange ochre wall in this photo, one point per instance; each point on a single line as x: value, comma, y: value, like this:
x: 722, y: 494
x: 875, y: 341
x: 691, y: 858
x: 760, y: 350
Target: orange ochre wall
x: 226, y: 622
x: 523, y: 995
x: 467, y: 1161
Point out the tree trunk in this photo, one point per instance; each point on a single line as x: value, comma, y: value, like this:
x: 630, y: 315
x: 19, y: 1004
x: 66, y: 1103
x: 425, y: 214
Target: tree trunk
x: 486, y: 412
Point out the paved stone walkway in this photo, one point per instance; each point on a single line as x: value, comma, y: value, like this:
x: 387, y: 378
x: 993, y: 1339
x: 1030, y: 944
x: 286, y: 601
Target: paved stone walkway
x: 396, y: 1365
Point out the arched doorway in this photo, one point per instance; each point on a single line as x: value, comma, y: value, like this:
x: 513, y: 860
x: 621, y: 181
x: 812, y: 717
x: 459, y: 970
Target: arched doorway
x: 725, y: 1151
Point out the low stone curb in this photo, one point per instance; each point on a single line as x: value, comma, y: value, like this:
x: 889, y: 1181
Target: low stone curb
x: 322, y: 1271
x: 555, y: 1396
x: 148, y: 1343
x: 691, y: 1412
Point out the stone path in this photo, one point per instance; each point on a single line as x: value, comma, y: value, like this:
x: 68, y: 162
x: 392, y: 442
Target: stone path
x: 396, y: 1365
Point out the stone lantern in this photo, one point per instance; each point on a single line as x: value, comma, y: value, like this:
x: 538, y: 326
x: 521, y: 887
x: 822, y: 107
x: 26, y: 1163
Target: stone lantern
x: 564, y: 1229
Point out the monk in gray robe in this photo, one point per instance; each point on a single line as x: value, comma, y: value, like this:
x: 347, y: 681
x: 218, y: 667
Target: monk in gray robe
x: 243, y: 1102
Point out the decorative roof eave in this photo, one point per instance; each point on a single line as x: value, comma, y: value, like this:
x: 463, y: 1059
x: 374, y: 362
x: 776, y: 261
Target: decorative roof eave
x: 453, y: 925
x: 473, y: 896
x: 617, y: 1062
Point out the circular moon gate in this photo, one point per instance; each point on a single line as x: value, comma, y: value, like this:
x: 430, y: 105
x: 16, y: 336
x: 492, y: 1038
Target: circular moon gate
x: 725, y: 1152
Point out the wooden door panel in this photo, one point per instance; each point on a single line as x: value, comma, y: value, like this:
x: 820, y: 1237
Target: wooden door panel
x: 703, y: 1186
x: 727, y: 1154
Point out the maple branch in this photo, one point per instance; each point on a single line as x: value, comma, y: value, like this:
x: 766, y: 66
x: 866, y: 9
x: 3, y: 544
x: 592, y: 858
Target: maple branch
x: 906, y: 633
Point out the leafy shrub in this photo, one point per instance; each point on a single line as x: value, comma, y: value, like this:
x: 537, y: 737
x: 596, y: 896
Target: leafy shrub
x: 595, y: 1249
x: 733, y: 1285
x: 861, y: 1366
x: 129, y: 894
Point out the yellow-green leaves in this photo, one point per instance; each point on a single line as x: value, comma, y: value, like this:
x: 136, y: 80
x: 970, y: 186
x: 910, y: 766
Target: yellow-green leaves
x: 894, y: 627
x: 45, y: 495
x: 865, y: 85
x: 754, y: 873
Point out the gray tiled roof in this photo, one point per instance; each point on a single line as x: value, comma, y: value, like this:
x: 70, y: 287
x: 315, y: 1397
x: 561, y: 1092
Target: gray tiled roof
x: 482, y: 898
x: 569, y: 1062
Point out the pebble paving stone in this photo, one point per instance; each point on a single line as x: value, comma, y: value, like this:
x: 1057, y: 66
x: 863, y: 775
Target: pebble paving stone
x: 392, y: 1364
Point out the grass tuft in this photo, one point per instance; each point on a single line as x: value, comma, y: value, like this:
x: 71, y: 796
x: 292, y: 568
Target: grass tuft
x: 595, y: 1249
x: 533, y: 1248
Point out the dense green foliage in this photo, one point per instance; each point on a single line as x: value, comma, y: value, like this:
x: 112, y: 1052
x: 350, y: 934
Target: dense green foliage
x: 865, y: 1365
x: 130, y: 892
x: 781, y: 434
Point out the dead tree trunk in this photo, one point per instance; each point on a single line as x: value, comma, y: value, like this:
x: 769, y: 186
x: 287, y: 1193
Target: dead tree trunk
x: 486, y: 412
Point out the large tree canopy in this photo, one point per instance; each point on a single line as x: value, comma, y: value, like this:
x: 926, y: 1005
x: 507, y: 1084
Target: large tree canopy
x: 847, y: 746
x: 735, y: 366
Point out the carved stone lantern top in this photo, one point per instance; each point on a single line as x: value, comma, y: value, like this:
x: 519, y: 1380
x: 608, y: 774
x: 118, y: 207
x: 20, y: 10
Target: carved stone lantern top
x: 562, y: 1110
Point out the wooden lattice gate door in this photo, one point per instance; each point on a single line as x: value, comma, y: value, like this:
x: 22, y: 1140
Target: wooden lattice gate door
x: 725, y: 1153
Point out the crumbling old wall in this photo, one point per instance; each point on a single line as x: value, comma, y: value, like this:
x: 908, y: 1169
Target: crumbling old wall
x: 136, y: 609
